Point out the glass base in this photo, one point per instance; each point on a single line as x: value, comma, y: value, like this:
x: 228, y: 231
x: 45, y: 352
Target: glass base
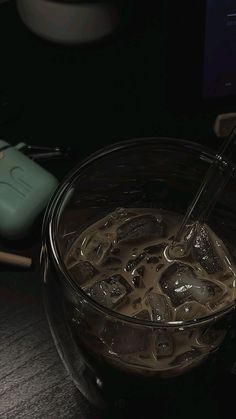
x: 109, y: 389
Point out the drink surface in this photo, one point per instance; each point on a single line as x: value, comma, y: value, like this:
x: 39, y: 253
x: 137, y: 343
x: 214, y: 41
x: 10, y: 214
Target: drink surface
x: 120, y: 262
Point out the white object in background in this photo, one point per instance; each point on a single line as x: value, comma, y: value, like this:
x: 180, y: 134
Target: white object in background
x: 224, y: 124
x: 67, y: 22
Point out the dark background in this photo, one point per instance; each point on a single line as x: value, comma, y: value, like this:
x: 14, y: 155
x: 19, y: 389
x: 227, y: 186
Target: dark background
x: 220, y: 62
x: 85, y: 97
x: 95, y: 95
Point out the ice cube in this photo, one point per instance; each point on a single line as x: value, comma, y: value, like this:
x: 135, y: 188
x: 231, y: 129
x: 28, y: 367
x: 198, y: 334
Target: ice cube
x: 137, y: 303
x: 133, y: 263
x: 72, y: 258
x: 108, y: 222
x: 159, y: 307
x: 118, y: 215
x: 121, y: 213
x: 122, y: 339
x: 138, y: 282
x: 140, y: 228
x: 118, y: 279
x: 204, y: 252
x: 190, y: 311
x: 83, y: 272
x: 142, y: 315
x: 100, y: 292
x: 180, y: 283
x: 111, y: 291
x: 164, y: 345
x: 216, y: 293
x: 96, y: 248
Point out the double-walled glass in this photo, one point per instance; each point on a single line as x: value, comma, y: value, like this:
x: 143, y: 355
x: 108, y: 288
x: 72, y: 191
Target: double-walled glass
x: 109, y: 356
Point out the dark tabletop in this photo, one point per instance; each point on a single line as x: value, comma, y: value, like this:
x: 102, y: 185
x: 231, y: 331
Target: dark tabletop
x: 85, y: 97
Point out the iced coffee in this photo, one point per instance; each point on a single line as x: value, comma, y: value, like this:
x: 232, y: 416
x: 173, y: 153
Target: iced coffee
x: 122, y: 263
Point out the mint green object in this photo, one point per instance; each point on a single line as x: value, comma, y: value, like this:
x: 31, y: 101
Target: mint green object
x: 25, y: 189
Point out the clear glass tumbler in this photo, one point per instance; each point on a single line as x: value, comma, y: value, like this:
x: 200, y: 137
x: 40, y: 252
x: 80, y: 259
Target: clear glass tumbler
x: 111, y: 357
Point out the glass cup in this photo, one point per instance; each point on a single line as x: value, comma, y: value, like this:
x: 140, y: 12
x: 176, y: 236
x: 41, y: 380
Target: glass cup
x: 113, y: 358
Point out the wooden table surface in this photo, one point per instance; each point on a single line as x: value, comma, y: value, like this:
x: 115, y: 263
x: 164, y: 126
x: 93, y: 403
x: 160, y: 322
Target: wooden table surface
x: 33, y: 381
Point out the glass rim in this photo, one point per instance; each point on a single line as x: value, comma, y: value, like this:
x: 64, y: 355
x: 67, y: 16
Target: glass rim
x: 52, y: 214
